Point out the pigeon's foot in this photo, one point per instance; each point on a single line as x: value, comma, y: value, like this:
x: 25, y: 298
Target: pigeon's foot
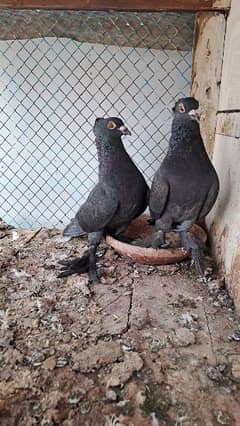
x: 197, y: 263
x: 75, y: 266
x: 189, y: 242
x: 183, y: 227
x: 158, y: 240
x: 166, y: 245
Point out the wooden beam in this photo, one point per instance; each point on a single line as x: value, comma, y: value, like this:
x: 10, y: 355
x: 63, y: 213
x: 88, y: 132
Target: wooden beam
x: 230, y: 88
x: 151, y: 30
x: 222, y: 4
x: 206, y: 72
x: 228, y: 124
x: 137, y: 5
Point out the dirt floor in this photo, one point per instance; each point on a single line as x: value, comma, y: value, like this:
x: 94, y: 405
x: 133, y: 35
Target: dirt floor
x: 147, y: 346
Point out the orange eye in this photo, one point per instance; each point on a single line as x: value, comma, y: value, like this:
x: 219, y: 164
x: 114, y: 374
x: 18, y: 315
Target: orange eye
x: 111, y: 125
x: 181, y: 108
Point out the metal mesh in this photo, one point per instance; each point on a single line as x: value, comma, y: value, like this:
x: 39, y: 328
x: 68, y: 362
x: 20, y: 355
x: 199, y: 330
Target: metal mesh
x: 60, y: 70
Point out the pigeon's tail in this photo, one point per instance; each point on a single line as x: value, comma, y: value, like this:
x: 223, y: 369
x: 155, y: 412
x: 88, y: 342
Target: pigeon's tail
x: 189, y: 242
x: 73, y: 229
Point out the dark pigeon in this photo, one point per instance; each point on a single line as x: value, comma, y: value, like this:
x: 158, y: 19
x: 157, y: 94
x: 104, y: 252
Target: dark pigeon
x: 186, y: 185
x: 120, y: 196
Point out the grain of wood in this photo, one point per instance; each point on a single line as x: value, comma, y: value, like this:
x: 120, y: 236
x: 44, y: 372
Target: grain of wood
x: 206, y: 72
x: 228, y: 124
x: 222, y: 4
x: 230, y: 88
x: 154, y: 5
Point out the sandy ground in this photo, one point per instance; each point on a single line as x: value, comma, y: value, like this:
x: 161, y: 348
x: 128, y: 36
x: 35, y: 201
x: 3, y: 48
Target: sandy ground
x: 147, y: 346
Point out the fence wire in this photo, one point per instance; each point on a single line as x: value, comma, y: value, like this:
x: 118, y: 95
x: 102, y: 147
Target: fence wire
x: 60, y: 70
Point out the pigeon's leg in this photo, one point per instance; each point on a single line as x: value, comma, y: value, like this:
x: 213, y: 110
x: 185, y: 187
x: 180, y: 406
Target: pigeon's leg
x: 162, y: 226
x: 94, y: 239
x: 189, y: 242
x: 184, y: 226
x: 159, y: 240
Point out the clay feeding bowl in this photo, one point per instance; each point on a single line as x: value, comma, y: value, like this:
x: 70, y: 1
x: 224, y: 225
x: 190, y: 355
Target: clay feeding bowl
x: 140, y: 229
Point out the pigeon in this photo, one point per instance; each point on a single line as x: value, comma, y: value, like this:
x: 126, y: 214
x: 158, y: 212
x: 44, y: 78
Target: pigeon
x: 120, y: 195
x: 186, y: 185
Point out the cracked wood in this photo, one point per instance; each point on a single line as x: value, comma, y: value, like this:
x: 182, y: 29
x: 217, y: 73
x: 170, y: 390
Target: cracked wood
x: 138, y: 5
x: 206, y: 71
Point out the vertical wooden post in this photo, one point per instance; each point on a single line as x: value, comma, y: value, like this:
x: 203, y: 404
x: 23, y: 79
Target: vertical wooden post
x: 225, y: 217
x: 210, y: 30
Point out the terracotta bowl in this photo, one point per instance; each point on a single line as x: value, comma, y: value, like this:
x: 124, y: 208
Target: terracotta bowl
x: 140, y: 230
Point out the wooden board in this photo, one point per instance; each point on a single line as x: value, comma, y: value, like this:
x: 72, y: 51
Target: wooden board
x: 230, y: 88
x: 222, y: 4
x: 172, y: 31
x: 206, y: 72
x: 228, y: 124
x: 153, y: 5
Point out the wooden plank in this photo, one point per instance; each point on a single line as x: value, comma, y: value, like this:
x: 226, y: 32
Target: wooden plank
x: 230, y: 88
x: 222, y: 4
x: 134, y: 29
x: 224, y: 217
x: 138, y: 5
x: 206, y: 72
x: 228, y: 124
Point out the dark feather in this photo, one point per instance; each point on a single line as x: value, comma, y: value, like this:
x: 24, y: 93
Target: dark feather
x: 186, y: 185
x: 120, y: 195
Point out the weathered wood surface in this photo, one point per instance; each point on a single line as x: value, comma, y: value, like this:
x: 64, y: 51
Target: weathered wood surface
x: 228, y: 124
x: 153, y: 5
x: 230, y: 88
x: 222, y: 4
x: 173, y: 31
x: 224, y: 218
x: 206, y: 72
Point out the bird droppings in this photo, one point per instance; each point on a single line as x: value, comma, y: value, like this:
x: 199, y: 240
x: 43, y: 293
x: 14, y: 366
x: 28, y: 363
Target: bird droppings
x: 235, y: 336
x: 156, y: 344
x: 111, y: 395
x: 151, y: 348
x: 223, y: 418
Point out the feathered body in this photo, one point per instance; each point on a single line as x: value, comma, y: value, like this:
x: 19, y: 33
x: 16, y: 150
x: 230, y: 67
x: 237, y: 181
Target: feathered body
x: 120, y: 195
x: 186, y: 185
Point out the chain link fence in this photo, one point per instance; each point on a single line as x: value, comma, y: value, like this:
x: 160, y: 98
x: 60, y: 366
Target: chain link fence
x: 60, y: 70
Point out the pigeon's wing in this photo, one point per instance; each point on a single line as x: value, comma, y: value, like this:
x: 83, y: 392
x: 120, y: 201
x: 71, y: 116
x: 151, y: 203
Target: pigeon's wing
x: 99, y: 208
x: 158, y: 195
x: 210, y: 199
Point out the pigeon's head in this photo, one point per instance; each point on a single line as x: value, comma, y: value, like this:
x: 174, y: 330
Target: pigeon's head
x: 112, y: 127
x: 189, y: 106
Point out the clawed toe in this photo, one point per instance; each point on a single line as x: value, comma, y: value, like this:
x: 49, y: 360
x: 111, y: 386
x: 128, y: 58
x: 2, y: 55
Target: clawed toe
x: 64, y: 262
x: 75, y: 266
x: 156, y: 245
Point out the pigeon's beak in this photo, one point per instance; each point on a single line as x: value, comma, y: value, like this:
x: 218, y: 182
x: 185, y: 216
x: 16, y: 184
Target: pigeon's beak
x: 124, y: 130
x: 195, y: 114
